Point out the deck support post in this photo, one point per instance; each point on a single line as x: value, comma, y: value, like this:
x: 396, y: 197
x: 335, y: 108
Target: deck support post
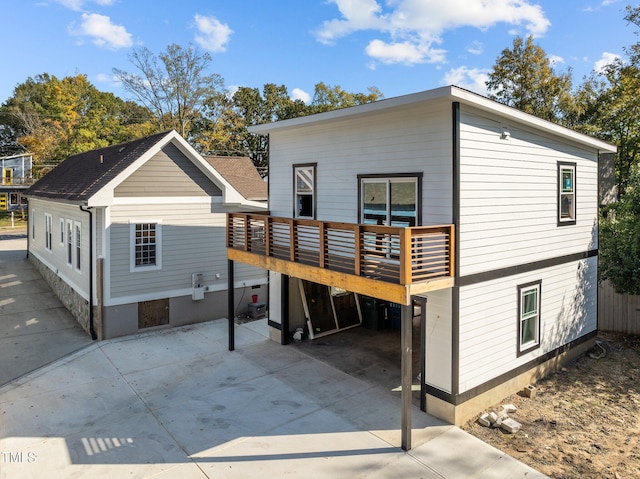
x: 284, y: 310
x: 231, y: 305
x: 423, y: 353
x: 406, y: 327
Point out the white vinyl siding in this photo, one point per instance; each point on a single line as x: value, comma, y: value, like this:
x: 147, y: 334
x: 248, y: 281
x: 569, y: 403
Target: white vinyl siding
x: 65, y: 216
x: 438, y: 340
x: 193, y: 241
x: 409, y: 141
x: 508, y: 197
x: 488, y: 311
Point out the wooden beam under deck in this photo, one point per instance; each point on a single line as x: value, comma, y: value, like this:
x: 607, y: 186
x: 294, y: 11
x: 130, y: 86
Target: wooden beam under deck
x: 396, y: 293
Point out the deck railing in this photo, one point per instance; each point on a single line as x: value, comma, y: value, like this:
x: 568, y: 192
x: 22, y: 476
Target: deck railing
x: 386, y: 253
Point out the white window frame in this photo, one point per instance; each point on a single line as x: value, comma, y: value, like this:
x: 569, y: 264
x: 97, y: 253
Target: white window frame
x: 62, y: 232
x: 306, y: 173
x: 528, y: 316
x: 48, y: 231
x: 565, y: 194
x: 77, y: 244
x: 158, y: 245
x: 69, y: 241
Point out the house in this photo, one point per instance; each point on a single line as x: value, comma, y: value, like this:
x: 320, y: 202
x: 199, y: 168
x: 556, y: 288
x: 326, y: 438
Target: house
x: 484, y: 215
x: 132, y: 236
x: 16, y: 177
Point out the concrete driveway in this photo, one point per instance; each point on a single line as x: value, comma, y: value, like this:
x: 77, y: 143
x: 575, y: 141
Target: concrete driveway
x: 176, y: 403
x: 35, y: 328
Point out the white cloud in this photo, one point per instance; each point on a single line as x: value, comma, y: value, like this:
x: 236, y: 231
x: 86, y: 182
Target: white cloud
x: 404, y: 52
x: 476, y: 48
x: 555, y: 60
x: 299, y: 94
x: 107, y: 79
x: 102, y: 31
x: 412, y: 28
x: 473, y: 79
x: 213, y: 35
x: 78, y: 5
x: 606, y: 59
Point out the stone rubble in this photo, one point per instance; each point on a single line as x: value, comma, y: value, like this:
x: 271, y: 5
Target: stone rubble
x: 500, y: 419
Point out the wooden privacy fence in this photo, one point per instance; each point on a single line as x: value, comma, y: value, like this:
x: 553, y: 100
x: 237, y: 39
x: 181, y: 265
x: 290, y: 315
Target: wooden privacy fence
x: 386, y: 253
x: 618, y: 313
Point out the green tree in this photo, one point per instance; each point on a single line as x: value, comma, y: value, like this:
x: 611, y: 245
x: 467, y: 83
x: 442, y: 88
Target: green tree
x: 53, y: 118
x: 174, y: 85
x: 327, y: 98
x: 619, y: 239
x: 524, y: 78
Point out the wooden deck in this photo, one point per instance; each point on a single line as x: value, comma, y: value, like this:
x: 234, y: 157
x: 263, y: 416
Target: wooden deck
x: 385, y: 262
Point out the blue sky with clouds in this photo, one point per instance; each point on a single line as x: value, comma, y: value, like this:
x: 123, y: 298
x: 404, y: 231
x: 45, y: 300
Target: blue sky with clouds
x: 398, y: 46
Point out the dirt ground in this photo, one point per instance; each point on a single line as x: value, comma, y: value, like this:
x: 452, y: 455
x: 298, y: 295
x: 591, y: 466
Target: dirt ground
x: 583, y: 421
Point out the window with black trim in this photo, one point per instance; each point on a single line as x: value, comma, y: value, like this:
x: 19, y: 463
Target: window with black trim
x: 304, y: 177
x: 529, y: 317
x: 566, y: 193
x: 390, y: 200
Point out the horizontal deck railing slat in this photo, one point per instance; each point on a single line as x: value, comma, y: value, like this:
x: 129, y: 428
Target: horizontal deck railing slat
x: 385, y: 253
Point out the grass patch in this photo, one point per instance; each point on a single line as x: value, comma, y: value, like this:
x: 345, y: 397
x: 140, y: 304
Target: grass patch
x: 19, y: 219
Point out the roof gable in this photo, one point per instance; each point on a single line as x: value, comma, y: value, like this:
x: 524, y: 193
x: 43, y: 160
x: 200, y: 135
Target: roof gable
x: 81, y: 176
x: 168, y: 173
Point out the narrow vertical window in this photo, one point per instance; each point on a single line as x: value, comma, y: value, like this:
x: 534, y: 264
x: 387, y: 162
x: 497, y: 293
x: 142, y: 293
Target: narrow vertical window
x: 69, y: 237
x: 528, y: 317
x: 566, y: 194
x: 48, y: 233
x: 78, y: 244
x: 61, y: 231
x: 305, y: 191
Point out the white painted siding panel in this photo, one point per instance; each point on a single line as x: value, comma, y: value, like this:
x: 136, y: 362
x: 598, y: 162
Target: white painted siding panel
x: 508, y: 196
x: 438, y: 339
x: 410, y: 141
x: 56, y: 259
x: 193, y: 241
x: 489, y: 318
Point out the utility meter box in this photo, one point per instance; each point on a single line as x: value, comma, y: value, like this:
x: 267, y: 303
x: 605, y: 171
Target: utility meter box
x: 197, y: 286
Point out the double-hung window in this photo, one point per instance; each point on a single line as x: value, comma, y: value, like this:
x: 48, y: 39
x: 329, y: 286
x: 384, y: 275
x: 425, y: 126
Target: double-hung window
x: 69, y: 237
x: 304, y: 177
x: 528, y: 317
x: 77, y: 228
x: 48, y: 230
x: 145, y: 246
x: 566, y: 193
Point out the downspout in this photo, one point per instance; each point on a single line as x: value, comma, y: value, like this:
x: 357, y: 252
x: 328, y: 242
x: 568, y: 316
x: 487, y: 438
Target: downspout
x: 92, y: 331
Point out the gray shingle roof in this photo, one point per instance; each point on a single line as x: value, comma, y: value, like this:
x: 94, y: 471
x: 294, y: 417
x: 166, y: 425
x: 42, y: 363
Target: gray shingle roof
x: 80, y: 176
x: 241, y: 173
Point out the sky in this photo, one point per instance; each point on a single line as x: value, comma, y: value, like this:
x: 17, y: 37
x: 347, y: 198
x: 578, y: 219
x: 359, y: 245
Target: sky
x: 398, y: 46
